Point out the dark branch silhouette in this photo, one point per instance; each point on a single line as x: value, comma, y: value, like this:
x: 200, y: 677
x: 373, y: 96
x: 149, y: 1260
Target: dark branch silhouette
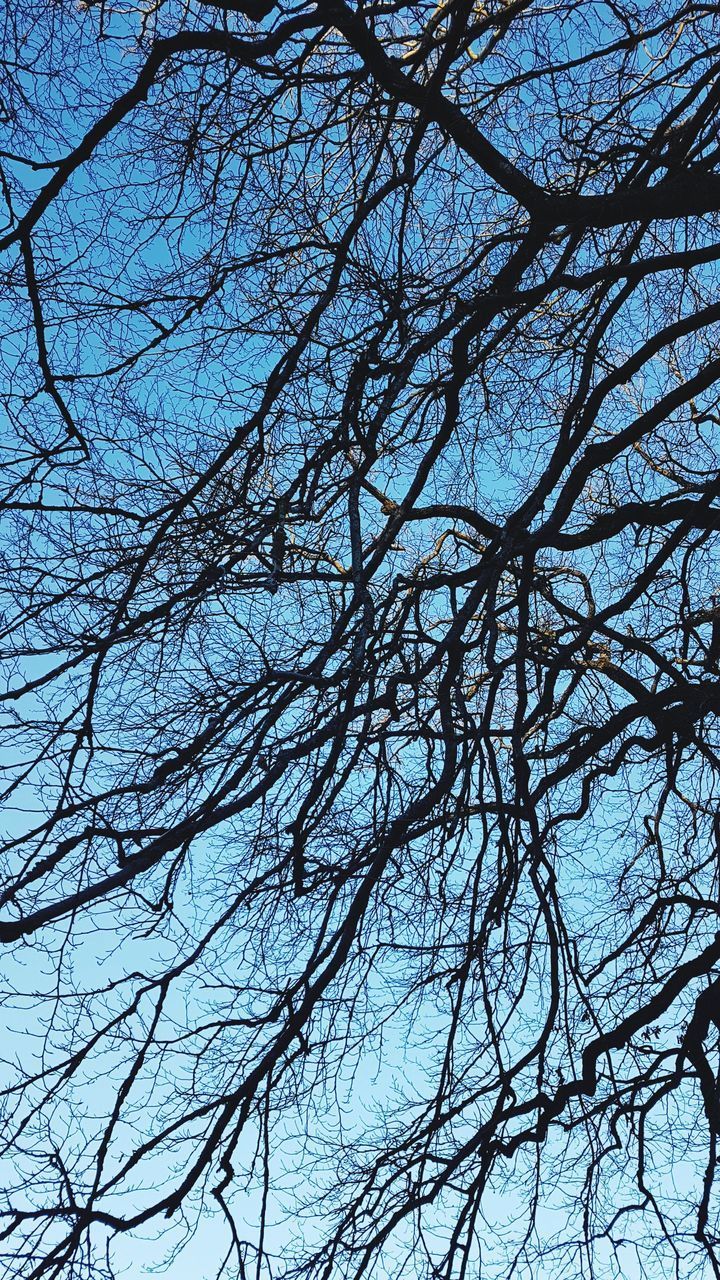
x: 360, y: 640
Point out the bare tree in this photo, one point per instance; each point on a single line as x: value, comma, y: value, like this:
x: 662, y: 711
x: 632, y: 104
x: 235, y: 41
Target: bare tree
x: 360, y: 638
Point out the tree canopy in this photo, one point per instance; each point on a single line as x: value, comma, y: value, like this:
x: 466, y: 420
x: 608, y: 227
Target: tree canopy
x: 360, y: 639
